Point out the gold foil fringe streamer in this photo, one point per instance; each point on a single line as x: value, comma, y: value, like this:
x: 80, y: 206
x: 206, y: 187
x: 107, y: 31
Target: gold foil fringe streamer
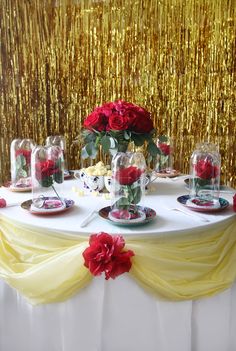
x: 60, y: 59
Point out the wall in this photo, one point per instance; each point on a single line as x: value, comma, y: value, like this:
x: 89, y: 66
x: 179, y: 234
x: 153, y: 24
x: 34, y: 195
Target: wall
x: 60, y: 59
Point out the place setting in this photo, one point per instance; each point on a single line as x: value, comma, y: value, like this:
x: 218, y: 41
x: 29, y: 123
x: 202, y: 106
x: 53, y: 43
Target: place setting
x: 203, y: 182
x: 126, y: 187
x: 164, y: 159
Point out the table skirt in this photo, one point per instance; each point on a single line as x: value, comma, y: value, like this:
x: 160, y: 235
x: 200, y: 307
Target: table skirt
x: 117, y: 316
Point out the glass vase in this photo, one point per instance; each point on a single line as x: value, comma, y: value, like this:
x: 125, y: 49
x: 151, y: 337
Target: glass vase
x: 58, y: 140
x: 128, y: 187
x: 204, y: 182
x: 21, y: 150
x: 47, y: 178
x: 164, y: 162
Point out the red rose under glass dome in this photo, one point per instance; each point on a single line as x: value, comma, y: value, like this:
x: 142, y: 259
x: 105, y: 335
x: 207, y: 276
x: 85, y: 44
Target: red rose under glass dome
x: 114, y: 125
x: 205, y: 166
x: 47, y: 164
x: 128, y: 187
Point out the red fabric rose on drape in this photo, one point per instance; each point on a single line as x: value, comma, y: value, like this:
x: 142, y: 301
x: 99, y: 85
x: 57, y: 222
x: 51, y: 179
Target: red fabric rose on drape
x: 106, y: 254
x: 205, y: 170
x: 129, y: 175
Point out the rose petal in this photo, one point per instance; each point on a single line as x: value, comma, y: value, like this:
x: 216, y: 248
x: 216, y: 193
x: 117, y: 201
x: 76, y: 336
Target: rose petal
x: 3, y: 203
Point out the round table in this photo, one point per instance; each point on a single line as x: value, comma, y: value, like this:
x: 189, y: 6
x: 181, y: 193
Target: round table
x: 118, y: 315
x: 162, y: 197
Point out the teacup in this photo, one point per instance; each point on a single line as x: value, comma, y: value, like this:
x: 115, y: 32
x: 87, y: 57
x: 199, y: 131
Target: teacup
x: 91, y: 182
x: 108, y: 183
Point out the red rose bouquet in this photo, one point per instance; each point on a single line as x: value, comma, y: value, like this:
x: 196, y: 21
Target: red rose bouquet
x: 113, y: 125
x: 106, y: 254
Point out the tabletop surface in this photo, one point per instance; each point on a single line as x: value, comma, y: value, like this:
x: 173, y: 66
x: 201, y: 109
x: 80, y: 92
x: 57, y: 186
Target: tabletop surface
x: 162, y: 197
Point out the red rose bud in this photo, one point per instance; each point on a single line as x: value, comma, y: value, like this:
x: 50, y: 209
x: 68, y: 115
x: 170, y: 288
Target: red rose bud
x: 165, y: 149
x: 205, y: 170
x: 97, y: 120
x: 45, y: 169
x: 3, y: 203
x: 234, y: 202
x: 129, y: 175
x: 118, y: 122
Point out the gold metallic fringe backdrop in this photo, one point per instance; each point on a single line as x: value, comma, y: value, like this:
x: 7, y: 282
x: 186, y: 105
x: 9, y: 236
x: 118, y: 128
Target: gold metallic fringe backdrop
x: 177, y: 58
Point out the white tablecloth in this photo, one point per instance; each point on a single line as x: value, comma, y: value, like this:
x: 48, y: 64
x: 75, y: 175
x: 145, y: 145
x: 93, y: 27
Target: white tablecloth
x: 118, y: 315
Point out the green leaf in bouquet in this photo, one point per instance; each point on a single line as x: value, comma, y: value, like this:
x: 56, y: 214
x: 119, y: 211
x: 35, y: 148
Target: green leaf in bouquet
x: 138, y: 139
x: 113, y: 143
x: 127, y: 135
x: 153, y: 149
x: 117, y: 134
x: 89, y: 136
x: 163, y: 138
x: 106, y: 143
x: 113, y: 146
x: 152, y: 134
x: 89, y: 150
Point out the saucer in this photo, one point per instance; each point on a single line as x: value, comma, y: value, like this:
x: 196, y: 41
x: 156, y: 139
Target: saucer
x: 149, y: 212
x: 186, y: 201
x: 172, y: 174
x: 26, y: 205
x: 17, y: 189
x: 68, y: 175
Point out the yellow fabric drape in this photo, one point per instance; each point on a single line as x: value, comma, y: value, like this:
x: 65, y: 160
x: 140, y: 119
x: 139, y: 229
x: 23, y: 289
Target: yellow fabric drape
x: 49, y: 267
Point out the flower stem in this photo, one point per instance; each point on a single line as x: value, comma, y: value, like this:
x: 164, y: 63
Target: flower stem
x: 56, y: 193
